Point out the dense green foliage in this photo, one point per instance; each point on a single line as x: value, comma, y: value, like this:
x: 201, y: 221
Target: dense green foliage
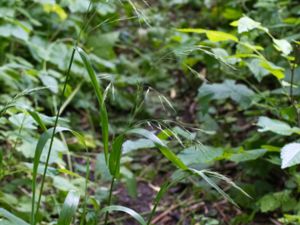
x: 195, y: 99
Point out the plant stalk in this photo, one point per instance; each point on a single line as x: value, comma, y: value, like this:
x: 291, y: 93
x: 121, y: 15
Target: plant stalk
x: 35, y: 214
x: 109, y: 198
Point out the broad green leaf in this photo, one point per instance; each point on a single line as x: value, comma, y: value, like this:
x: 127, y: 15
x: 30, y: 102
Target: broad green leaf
x: 49, y: 81
x: 129, y: 211
x: 69, y: 208
x: 283, y: 46
x: 273, y: 69
x: 115, y: 156
x: 276, y: 126
x: 212, y: 35
x: 255, y: 67
x: 62, y: 183
x: 76, y: 6
x: 273, y: 201
x: 290, y: 155
x: 22, y: 120
x: 268, y: 203
x: 141, y: 143
x: 99, y: 93
x: 228, y: 89
x: 247, y: 155
x: 12, y: 218
x: 199, y: 154
x: 246, y: 24
x: 12, y: 30
x: 55, y: 8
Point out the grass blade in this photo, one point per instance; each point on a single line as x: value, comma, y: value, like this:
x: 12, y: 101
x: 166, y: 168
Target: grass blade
x: 38, y: 153
x: 37, y: 119
x: 161, y: 146
x: 213, y: 185
x: 69, y: 208
x: 124, y: 209
x: 115, y: 156
x: 99, y: 94
x: 12, y: 218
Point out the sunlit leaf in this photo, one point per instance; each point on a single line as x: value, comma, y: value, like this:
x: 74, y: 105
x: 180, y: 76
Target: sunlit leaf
x: 290, y: 155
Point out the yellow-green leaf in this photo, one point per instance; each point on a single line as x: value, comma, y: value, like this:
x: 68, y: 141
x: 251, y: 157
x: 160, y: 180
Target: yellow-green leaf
x: 55, y: 8
x: 273, y: 69
x: 212, y: 35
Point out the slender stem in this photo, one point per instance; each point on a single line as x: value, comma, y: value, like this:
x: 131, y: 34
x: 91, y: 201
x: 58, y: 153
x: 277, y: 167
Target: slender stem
x: 162, y: 191
x: 82, y: 222
x: 292, y: 82
x: 34, y: 213
x: 52, y: 136
x: 152, y: 213
x: 292, y: 99
x: 109, y: 198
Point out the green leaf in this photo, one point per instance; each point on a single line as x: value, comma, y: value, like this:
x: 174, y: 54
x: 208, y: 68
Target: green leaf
x: 290, y: 155
x: 247, y: 155
x: 129, y: 211
x: 37, y: 119
x: 115, y: 156
x: 255, y: 67
x: 161, y: 146
x: 273, y: 201
x: 13, y: 30
x: 246, y: 24
x: 268, y: 203
x: 228, y: 89
x: 55, y: 8
x: 212, y: 35
x: 212, y: 184
x: 12, y: 218
x: 99, y: 93
x: 141, y: 143
x: 276, y: 126
x: 199, y: 154
x: 49, y: 82
x: 283, y: 46
x: 273, y: 69
x: 22, y: 120
x: 37, y: 156
x: 69, y: 208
